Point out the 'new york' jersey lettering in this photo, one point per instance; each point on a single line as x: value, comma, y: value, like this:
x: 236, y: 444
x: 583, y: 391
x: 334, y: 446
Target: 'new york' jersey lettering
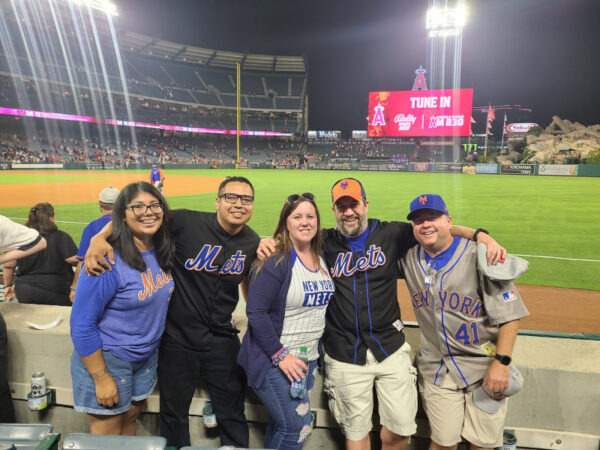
x: 343, y: 267
x: 205, y: 261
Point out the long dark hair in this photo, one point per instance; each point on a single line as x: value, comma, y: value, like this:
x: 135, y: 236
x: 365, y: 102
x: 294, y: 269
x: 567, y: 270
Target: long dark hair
x: 39, y: 218
x: 281, y: 234
x: 122, y: 237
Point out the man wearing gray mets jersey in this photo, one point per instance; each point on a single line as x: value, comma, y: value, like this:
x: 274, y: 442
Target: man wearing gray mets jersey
x: 469, y: 323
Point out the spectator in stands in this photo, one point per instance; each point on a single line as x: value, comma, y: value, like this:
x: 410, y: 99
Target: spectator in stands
x: 17, y: 241
x: 119, y: 316
x: 108, y: 196
x: 287, y: 299
x: 45, y: 278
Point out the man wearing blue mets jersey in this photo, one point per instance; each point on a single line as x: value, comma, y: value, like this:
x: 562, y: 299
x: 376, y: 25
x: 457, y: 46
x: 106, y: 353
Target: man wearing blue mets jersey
x: 469, y: 318
x: 213, y: 254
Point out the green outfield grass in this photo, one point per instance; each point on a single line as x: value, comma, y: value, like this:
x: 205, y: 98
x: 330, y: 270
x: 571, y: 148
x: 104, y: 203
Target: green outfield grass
x: 555, y: 217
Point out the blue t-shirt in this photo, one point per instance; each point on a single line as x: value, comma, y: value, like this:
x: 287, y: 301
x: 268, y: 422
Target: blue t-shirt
x: 91, y: 229
x: 122, y: 311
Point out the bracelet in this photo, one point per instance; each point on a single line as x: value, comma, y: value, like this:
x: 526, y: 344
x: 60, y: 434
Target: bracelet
x: 279, y: 356
x: 72, y: 289
x: 9, y: 285
x: 477, y: 231
x: 99, y: 373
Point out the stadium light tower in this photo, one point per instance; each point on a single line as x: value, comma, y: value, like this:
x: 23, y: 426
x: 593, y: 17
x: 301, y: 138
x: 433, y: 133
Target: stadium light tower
x: 444, y: 22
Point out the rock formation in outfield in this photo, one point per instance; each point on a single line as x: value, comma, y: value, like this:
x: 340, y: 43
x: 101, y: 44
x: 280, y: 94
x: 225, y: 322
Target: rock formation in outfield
x: 563, y: 139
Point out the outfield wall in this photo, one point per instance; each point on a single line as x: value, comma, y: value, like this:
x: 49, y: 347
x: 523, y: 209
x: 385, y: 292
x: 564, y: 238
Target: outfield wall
x: 559, y: 407
x: 582, y: 170
x: 572, y: 170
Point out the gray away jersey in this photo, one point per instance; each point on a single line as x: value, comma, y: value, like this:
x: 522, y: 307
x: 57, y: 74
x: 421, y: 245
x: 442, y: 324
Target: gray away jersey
x: 459, y: 311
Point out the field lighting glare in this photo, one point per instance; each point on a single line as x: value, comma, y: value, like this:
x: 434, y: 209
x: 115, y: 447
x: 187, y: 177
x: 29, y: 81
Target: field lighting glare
x: 446, y: 21
x: 100, y: 5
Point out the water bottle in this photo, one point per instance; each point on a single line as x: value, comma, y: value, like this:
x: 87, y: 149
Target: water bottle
x: 298, y: 388
x: 510, y: 440
x: 208, y: 414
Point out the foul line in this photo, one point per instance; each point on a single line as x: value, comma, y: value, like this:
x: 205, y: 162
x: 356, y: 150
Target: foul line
x: 524, y: 256
x: 558, y: 257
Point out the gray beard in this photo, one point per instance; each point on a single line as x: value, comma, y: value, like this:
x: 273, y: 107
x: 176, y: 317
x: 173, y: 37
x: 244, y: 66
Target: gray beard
x: 360, y: 230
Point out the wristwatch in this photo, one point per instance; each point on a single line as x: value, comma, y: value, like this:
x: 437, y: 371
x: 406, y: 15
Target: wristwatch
x: 504, y: 359
x: 477, y: 231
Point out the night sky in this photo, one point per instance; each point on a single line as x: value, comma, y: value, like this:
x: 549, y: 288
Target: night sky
x: 541, y: 54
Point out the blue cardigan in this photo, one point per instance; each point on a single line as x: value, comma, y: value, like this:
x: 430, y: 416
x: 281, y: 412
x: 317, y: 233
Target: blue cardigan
x: 265, y: 309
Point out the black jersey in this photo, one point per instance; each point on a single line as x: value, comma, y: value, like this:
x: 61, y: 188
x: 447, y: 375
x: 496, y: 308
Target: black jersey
x: 364, y: 311
x: 209, y: 266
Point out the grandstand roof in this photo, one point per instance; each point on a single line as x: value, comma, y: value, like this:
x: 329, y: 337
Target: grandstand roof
x: 146, y: 45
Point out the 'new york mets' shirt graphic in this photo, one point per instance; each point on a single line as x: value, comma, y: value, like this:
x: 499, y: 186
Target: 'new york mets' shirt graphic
x: 307, y: 299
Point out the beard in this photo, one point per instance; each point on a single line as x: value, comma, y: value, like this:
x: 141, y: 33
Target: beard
x: 354, y: 232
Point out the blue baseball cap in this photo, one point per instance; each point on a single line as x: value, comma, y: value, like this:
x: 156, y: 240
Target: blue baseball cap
x: 427, y: 201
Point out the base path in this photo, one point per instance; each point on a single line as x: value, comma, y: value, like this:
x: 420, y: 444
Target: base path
x: 551, y: 308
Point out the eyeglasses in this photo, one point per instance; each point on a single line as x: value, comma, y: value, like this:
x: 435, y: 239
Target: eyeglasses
x: 246, y: 200
x: 140, y: 209
x: 295, y: 197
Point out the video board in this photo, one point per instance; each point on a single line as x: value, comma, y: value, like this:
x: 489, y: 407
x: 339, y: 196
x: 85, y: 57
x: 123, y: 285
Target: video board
x: 445, y: 112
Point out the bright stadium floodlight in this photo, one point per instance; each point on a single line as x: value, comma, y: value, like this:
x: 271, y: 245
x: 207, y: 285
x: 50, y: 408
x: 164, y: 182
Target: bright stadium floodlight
x: 100, y: 5
x: 446, y: 21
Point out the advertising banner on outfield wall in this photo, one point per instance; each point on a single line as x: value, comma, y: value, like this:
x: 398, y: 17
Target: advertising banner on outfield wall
x: 486, y: 168
x: 421, y: 167
x: 4, y: 166
x: 518, y: 169
x: 448, y: 167
x: 37, y: 166
x: 93, y: 166
x: 420, y: 113
x: 400, y: 167
x: 558, y: 169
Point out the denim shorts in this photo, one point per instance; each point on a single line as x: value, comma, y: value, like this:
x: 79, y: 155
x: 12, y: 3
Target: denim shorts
x: 135, y: 382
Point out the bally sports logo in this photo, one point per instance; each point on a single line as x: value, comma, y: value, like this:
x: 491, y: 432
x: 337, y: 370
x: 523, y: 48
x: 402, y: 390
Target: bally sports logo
x: 520, y: 128
x: 404, y: 121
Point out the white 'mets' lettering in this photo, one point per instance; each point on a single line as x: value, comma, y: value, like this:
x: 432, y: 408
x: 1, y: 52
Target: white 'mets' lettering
x: 373, y: 258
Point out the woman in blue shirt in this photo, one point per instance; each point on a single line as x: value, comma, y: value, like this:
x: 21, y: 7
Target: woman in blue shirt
x: 119, y: 316
x: 287, y: 299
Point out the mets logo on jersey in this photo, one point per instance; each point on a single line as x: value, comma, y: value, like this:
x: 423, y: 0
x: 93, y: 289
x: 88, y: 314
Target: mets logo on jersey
x: 205, y: 261
x: 344, y: 267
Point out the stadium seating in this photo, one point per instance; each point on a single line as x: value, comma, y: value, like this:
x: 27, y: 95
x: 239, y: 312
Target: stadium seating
x: 27, y: 436
x: 84, y: 441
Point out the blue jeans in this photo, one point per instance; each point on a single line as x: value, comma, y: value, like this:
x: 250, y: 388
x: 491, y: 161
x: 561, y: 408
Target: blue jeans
x: 289, y: 418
